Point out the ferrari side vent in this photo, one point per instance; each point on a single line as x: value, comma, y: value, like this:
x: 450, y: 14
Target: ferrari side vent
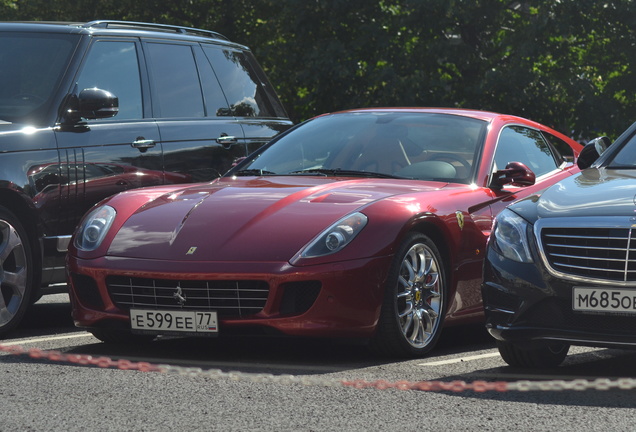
x: 87, y: 291
x: 298, y: 297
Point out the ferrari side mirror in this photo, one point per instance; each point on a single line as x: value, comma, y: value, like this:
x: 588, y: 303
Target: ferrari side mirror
x: 516, y: 174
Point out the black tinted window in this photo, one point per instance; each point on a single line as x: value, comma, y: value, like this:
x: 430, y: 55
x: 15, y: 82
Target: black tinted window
x: 30, y: 72
x: 561, y: 146
x: 113, y: 66
x: 272, y: 98
x: 215, y: 102
x: 240, y: 83
x: 626, y: 156
x: 521, y: 144
x: 175, y: 81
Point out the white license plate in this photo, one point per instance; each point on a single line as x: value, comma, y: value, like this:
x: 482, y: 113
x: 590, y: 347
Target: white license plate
x: 173, y: 321
x: 604, y: 300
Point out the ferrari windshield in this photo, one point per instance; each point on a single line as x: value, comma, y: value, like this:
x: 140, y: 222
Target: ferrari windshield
x: 32, y: 67
x: 424, y: 146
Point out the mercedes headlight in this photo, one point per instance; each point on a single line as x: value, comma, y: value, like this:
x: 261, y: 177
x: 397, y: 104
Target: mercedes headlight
x: 94, y: 228
x: 510, y: 237
x: 336, y: 237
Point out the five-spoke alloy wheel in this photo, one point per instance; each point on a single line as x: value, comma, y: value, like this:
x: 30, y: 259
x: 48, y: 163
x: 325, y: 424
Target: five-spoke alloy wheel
x: 16, y: 271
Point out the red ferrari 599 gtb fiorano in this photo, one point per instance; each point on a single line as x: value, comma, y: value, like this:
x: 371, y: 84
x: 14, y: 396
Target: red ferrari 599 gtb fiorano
x: 369, y: 223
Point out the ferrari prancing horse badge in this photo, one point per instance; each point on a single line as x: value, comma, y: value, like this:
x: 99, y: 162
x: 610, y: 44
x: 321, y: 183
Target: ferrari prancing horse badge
x: 460, y: 219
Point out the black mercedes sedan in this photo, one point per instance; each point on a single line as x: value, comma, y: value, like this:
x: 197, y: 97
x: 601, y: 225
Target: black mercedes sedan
x: 561, y: 266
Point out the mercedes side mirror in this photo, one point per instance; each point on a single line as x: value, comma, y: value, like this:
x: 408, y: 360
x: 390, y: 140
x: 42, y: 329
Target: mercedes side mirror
x: 592, y: 151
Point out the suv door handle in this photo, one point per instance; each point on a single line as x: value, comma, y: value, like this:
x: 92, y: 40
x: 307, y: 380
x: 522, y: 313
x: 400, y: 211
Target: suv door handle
x: 143, y: 144
x: 226, y: 140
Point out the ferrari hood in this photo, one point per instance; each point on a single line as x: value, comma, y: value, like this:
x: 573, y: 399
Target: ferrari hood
x: 594, y: 192
x: 247, y: 218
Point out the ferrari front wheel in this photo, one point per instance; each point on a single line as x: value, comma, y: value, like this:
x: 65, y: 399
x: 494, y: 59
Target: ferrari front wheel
x: 414, y: 302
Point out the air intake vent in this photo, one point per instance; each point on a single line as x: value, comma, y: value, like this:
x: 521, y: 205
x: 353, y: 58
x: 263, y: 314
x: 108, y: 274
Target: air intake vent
x: 229, y: 298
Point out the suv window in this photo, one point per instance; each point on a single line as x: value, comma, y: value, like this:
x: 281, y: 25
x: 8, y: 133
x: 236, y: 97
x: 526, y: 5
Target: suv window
x: 215, y: 102
x: 29, y: 81
x: 521, y: 144
x: 176, y: 88
x: 114, y: 66
x: 240, y: 83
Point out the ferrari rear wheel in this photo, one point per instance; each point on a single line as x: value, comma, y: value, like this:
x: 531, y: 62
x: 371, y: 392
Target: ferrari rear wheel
x: 119, y: 337
x: 414, y: 300
x: 16, y: 271
x: 536, y: 356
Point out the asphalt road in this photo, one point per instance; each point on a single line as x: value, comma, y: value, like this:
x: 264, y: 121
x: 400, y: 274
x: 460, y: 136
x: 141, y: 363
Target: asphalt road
x: 41, y: 394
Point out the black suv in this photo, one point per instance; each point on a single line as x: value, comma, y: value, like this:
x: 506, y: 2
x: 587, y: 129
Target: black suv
x: 88, y: 110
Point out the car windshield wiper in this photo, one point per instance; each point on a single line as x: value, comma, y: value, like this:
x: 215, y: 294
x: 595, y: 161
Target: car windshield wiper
x: 341, y: 172
x: 253, y: 172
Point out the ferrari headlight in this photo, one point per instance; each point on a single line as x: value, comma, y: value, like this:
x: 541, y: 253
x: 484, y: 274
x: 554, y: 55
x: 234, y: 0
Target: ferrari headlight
x: 336, y: 237
x: 94, y: 228
x: 511, y: 237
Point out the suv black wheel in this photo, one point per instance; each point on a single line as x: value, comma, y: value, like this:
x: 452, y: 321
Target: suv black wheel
x: 16, y: 271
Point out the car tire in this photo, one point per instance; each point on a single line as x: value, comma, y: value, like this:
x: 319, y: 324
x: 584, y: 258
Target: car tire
x: 538, y: 355
x: 16, y: 271
x: 414, y: 302
x: 120, y: 337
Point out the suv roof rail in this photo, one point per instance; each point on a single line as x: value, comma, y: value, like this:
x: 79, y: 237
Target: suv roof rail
x: 160, y: 27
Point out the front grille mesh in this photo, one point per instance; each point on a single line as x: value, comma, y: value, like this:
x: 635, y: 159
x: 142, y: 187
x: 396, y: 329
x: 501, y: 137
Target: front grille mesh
x: 596, y: 253
x: 229, y: 298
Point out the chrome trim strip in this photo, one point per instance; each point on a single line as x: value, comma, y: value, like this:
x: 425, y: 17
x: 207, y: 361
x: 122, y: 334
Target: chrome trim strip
x: 498, y: 309
x: 53, y: 268
x: 584, y: 237
x: 587, y: 247
x: 62, y: 243
x: 627, y: 250
x: 589, y: 258
x: 584, y: 342
x: 591, y: 268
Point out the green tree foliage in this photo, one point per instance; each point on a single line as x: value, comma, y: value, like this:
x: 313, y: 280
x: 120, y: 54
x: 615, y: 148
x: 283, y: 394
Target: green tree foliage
x: 566, y: 63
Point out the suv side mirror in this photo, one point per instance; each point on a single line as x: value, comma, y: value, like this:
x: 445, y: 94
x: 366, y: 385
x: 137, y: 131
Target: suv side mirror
x: 96, y: 103
x: 516, y: 174
x: 91, y: 104
x: 592, y: 151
